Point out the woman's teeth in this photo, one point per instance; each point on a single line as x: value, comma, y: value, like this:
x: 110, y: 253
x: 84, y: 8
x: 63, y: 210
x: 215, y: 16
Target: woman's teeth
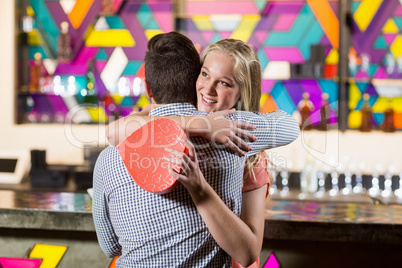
x: 209, y: 101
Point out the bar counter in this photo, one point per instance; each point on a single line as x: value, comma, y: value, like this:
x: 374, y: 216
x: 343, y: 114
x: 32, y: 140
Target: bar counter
x: 291, y: 227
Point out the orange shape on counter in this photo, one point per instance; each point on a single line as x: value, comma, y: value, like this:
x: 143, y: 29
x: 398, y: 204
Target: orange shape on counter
x: 143, y: 150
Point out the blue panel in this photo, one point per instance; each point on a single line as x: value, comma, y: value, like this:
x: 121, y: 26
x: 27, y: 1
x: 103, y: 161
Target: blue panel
x: 312, y: 37
x: 379, y: 118
x: 127, y: 101
x: 35, y: 49
x: 144, y: 15
x: 398, y: 22
x: 102, y: 55
x: 215, y: 38
x: 331, y: 88
x: 380, y: 42
x: 354, y: 5
x: 263, y: 59
x: 115, y: 22
x: 282, y: 99
x: 292, y: 37
x: 132, y: 68
x: 46, y: 25
x: 362, y: 86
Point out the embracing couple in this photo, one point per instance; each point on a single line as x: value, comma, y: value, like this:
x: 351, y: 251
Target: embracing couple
x: 215, y: 217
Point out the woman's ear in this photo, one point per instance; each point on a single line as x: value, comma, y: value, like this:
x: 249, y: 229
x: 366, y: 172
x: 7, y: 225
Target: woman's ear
x: 148, y: 90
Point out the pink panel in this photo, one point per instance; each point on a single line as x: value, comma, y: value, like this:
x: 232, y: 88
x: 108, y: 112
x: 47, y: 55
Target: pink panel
x: 389, y: 38
x: 290, y: 54
x: 398, y: 11
x: 267, y: 86
x: 100, y: 64
x: 284, y: 22
x: 225, y: 35
x: 221, y: 7
x: 165, y: 21
x: 86, y: 54
x: 19, y: 263
x: 380, y: 73
x: 361, y: 74
x: 208, y: 35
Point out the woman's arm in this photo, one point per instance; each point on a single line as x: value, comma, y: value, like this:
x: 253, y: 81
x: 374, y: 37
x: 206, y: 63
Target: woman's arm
x: 241, y: 237
x: 214, y: 127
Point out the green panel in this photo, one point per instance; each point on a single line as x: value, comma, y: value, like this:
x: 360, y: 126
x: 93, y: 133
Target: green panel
x: 312, y: 37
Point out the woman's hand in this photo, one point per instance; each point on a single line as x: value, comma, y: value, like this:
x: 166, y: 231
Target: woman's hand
x: 190, y: 174
x: 229, y: 132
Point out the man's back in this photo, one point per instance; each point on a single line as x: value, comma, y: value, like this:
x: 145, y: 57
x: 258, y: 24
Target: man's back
x: 166, y: 230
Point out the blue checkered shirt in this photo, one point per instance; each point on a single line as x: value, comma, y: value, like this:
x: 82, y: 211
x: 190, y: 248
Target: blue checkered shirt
x: 151, y: 230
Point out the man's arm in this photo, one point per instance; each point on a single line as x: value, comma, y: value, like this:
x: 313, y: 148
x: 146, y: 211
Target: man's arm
x: 273, y: 129
x: 107, y: 238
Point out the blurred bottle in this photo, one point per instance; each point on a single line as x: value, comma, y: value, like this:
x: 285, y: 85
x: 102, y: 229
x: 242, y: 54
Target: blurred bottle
x: 64, y: 43
x: 324, y: 112
x: 305, y: 107
x: 366, y: 114
x: 36, y: 74
x: 388, y: 124
x: 107, y: 8
x: 90, y: 96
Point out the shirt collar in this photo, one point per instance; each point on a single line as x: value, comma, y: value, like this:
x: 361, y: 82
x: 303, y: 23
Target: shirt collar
x: 172, y: 109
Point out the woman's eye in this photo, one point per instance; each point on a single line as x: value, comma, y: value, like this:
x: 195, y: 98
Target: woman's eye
x: 204, y: 74
x: 225, y: 84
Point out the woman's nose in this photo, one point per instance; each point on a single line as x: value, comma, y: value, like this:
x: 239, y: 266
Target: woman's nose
x: 210, y: 88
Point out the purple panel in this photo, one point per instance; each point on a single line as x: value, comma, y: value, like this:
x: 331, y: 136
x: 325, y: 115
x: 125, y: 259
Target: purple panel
x: 266, y: 23
x: 371, y: 90
x: 361, y: 74
x: 101, y: 90
x: 71, y: 69
x: 254, y: 42
x: 279, y: 7
x: 42, y: 104
x: 325, y: 40
x: 194, y: 34
x: 334, y: 6
x: 58, y: 104
x: 128, y: 16
x: 294, y: 90
x: 363, y: 42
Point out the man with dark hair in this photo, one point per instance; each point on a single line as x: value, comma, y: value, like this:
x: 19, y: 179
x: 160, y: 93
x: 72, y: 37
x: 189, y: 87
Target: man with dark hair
x: 151, y: 230
x: 172, y: 83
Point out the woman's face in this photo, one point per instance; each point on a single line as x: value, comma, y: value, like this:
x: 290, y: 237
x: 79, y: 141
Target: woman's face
x: 216, y: 86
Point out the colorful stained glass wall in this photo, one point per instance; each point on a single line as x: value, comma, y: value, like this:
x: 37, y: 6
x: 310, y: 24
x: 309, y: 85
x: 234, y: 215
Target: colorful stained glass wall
x: 376, y: 53
x: 109, y: 49
x: 282, y: 33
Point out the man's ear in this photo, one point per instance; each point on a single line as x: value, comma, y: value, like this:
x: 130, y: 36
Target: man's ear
x: 148, y: 90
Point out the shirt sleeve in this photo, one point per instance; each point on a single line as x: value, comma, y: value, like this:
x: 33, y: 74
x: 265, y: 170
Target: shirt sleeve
x: 261, y: 177
x: 107, y: 238
x: 274, y: 129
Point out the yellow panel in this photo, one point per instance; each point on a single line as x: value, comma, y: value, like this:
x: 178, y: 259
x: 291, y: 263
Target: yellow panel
x: 355, y: 119
x: 380, y: 105
x: 110, y: 38
x: 117, y: 98
x: 396, y: 47
x: 143, y: 101
x: 354, y: 96
x: 34, y: 38
x: 390, y: 27
x: 333, y: 57
x: 203, y: 23
x: 246, y: 27
x: 263, y: 99
x: 50, y: 254
x: 365, y: 12
x: 397, y: 104
x: 97, y: 114
x: 151, y: 33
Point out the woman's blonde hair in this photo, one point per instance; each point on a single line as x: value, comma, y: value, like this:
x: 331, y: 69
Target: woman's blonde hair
x: 247, y: 73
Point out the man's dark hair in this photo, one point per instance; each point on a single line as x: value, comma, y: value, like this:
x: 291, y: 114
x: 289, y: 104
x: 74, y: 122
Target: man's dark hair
x: 172, y: 66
